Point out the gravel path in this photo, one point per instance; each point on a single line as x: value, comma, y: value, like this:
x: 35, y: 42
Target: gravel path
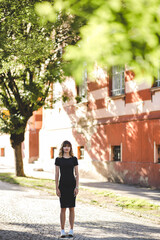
x: 27, y: 214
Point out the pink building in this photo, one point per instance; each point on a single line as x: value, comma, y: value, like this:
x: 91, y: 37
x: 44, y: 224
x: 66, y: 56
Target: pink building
x: 114, y: 129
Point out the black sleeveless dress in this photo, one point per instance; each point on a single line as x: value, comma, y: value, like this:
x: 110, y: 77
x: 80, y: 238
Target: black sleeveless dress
x: 67, y: 182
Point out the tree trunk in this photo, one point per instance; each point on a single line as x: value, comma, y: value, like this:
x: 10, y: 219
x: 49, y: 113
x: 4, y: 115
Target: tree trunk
x: 19, y: 160
x: 16, y: 142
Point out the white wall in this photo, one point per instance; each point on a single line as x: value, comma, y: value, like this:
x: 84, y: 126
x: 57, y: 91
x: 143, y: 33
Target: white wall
x: 8, y: 159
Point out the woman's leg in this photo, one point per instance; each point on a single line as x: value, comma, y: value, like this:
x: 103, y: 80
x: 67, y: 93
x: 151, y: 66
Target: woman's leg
x: 71, y: 217
x: 63, y: 217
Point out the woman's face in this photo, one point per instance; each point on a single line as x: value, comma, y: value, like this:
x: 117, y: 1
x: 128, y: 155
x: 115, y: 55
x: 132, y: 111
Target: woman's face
x: 66, y: 149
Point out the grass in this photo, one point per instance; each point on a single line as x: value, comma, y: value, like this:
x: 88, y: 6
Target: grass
x: 103, y: 197
x: 98, y: 197
x: 128, y: 202
x: 94, y: 202
x: 106, y: 194
x: 47, y: 185
x: 135, y: 203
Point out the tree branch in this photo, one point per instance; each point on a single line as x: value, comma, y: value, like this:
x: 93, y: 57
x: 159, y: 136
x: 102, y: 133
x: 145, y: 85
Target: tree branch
x: 12, y: 85
x: 6, y: 103
x: 5, y: 88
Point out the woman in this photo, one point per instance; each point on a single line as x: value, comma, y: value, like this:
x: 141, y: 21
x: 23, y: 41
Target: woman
x: 68, y: 186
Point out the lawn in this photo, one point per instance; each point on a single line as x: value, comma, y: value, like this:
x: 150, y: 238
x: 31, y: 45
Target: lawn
x: 47, y: 185
x: 105, y: 199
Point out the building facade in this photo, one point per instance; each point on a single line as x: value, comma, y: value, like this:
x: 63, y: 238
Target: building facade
x: 113, y: 124
x: 114, y: 129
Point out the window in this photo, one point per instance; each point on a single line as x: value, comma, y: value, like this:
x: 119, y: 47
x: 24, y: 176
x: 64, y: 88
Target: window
x: 118, y: 80
x: 52, y: 152
x: 116, y: 153
x: 157, y: 78
x: 156, y: 153
x: 82, y: 88
x: 80, y: 152
x: 2, y: 152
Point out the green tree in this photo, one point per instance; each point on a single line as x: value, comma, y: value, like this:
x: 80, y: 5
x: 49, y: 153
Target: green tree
x: 115, y: 32
x: 30, y: 61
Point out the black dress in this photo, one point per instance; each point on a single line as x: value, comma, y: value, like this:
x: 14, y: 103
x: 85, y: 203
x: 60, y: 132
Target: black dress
x: 67, y: 182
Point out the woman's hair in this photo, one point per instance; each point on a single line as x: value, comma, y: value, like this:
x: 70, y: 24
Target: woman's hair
x: 64, y: 144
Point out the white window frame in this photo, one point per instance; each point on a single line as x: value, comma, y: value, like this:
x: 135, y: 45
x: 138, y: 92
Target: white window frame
x: 54, y: 149
x: 81, y: 152
x: 158, y: 78
x: 156, y: 152
x: 82, y: 88
x: 2, y: 155
x: 118, y: 80
x: 111, y: 152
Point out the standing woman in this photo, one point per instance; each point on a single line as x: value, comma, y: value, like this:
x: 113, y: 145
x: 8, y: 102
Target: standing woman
x: 68, y: 186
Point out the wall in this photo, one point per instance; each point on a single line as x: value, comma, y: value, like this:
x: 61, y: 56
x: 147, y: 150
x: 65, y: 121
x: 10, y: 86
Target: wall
x: 137, y: 165
x: 132, y: 121
x: 8, y: 159
x: 31, y: 144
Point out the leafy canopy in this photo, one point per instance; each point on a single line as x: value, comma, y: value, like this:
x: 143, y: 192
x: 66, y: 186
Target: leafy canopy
x: 115, y: 32
x: 29, y: 63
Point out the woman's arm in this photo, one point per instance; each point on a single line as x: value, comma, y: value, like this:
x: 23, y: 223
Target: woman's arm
x: 77, y: 180
x: 57, y: 181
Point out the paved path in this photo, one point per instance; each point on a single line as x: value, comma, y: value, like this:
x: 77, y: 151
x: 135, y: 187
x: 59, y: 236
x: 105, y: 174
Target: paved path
x: 121, y: 189
x: 148, y: 194
x: 27, y: 214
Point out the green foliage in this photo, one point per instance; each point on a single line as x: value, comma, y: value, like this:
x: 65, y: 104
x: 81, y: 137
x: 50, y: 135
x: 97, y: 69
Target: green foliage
x: 78, y: 99
x: 30, y: 58
x: 114, y: 32
x: 24, y: 48
x: 45, y: 10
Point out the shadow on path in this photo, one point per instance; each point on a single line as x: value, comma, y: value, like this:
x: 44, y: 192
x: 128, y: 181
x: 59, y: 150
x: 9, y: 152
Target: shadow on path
x: 117, y: 229
x: 89, y: 231
x: 125, y: 189
x: 25, y: 231
x: 5, y: 186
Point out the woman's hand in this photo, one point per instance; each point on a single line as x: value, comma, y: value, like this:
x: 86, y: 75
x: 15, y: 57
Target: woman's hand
x: 76, y: 191
x: 58, y: 193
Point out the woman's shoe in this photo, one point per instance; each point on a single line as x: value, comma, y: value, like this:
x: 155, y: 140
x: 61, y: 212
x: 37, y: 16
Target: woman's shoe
x: 70, y: 234
x: 63, y: 234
